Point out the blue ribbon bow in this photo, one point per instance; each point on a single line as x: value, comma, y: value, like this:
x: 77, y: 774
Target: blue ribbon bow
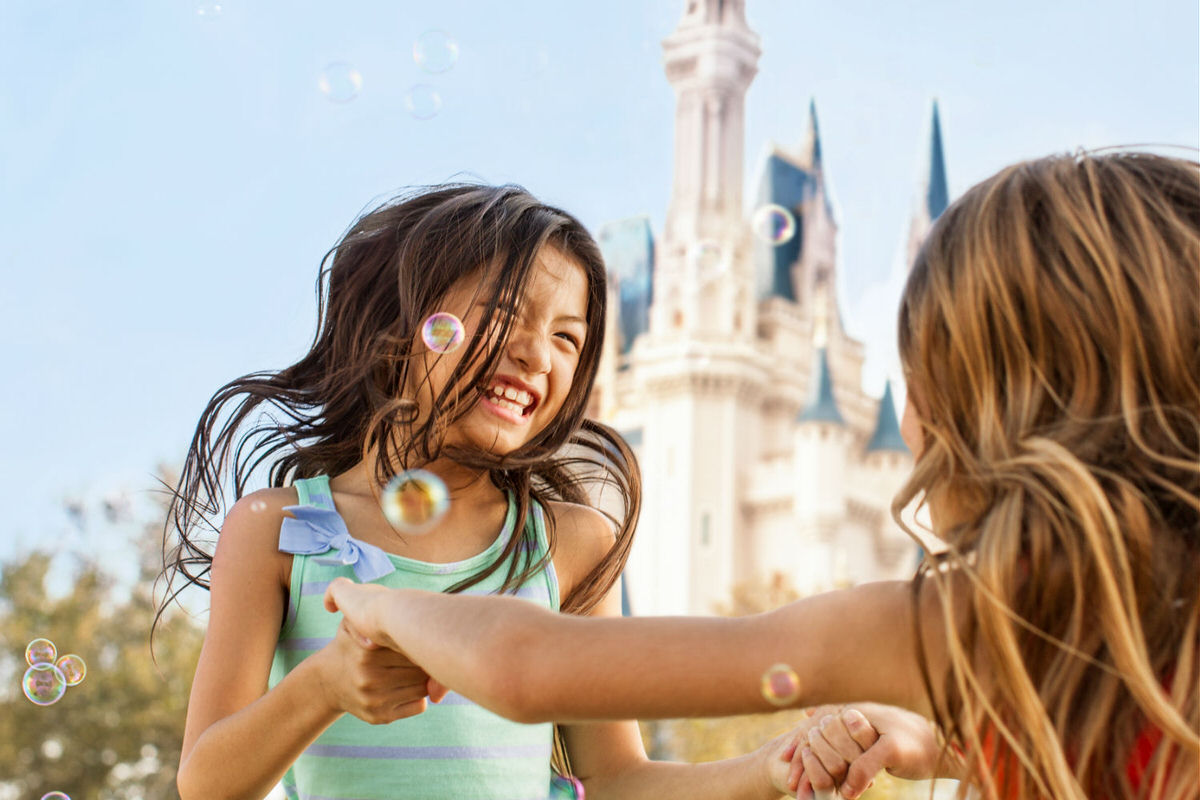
x: 318, y: 530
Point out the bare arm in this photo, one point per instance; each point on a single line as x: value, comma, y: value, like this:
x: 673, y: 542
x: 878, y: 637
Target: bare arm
x: 608, y: 756
x: 532, y: 665
x: 241, y: 738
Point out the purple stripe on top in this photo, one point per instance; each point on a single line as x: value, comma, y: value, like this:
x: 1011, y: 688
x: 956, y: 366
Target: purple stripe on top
x: 430, y: 751
x: 314, y: 587
x: 313, y: 643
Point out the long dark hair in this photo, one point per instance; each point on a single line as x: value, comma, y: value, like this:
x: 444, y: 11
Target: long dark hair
x: 344, y: 398
x: 1050, y: 331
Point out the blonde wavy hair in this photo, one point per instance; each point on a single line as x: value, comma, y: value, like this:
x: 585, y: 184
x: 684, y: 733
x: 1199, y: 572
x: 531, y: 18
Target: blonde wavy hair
x: 1050, y: 334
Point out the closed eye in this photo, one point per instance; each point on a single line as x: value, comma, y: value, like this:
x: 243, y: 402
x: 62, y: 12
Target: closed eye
x: 572, y: 338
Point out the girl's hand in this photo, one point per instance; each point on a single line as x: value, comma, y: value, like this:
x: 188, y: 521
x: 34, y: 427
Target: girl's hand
x: 847, y: 750
x: 361, y: 607
x: 780, y: 752
x: 376, y: 684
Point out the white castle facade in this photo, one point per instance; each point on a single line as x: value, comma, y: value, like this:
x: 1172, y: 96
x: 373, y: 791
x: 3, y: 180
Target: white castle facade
x: 728, y: 369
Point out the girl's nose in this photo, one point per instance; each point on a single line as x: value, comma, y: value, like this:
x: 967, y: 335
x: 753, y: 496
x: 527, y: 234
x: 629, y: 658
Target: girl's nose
x: 529, y: 349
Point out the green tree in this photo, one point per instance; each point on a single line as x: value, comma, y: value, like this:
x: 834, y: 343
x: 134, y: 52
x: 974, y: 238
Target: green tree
x: 117, y: 734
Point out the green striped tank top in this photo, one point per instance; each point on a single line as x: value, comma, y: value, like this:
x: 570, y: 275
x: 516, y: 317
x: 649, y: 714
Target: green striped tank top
x: 455, y: 750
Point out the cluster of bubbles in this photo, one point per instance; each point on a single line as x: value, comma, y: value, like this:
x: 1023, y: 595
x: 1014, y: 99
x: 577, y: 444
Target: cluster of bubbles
x: 780, y: 685
x: 773, y: 224
x: 47, y: 679
x: 434, y: 51
x: 415, y: 500
x: 49, y: 674
x: 442, y: 332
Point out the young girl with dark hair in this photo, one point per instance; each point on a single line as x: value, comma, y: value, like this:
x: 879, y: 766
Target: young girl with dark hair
x: 1050, y: 336
x: 500, y: 421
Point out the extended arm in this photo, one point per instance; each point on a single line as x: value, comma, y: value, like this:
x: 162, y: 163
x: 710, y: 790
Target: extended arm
x: 532, y: 665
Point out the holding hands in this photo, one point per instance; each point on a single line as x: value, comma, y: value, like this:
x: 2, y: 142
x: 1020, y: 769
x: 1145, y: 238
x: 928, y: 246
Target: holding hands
x: 844, y: 749
x: 370, y: 680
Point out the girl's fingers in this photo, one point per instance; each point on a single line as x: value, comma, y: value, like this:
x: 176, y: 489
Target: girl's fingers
x: 859, y: 728
x: 831, y: 761
x: 836, y: 734
x: 815, y: 771
x: 436, y: 691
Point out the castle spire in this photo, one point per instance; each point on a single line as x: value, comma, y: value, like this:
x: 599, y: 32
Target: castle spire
x: 934, y: 194
x: 810, y: 153
x: 887, y: 429
x: 821, y: 407
x: 937, y: 194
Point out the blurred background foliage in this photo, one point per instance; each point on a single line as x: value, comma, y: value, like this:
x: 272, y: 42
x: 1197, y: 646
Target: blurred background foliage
x: 116, y: 735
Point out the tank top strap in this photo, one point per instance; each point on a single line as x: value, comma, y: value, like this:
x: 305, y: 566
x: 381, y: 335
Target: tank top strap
x: 536, y: 524
x: 315, y: 492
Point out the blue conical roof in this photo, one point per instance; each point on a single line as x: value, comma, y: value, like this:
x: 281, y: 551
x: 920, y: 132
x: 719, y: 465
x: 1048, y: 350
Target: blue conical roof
x: 887, y: 428
x: 822, y: 407
x: 937, y: 194
x: 814, y: 153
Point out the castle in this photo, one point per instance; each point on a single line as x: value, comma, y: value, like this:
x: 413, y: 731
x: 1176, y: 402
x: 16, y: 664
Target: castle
x: 727, y: 367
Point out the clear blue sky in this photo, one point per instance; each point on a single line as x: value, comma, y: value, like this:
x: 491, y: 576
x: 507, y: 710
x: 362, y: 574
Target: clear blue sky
x: 170, y: 181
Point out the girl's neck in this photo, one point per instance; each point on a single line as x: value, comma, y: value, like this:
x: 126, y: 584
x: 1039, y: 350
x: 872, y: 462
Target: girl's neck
x: 467, y: 486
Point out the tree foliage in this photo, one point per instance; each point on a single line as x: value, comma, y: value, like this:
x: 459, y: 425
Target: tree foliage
x: 118, y: 733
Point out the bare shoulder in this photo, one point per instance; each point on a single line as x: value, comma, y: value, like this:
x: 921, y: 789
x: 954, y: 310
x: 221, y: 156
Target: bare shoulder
x: 584, y: 537
x: 250, y: 534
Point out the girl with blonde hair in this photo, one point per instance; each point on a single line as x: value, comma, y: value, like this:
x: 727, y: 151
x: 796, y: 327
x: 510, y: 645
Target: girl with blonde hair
x: 1050, y: 335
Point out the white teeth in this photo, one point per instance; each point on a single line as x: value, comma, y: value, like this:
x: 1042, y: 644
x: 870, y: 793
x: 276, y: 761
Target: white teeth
x: 517, y: 396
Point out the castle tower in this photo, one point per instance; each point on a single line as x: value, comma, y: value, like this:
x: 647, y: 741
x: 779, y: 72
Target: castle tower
x: 710, y: 60
x: 695, y: 373
x: 934, y: 193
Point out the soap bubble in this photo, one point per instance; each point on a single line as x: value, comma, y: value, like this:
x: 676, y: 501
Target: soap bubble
x: 780, y: 685
x: 73, y: 668
x: 340, y: 82
x: 55, y: 796
x: 43, y: 684
x: 415, y: 500
x: 442, y: 332
x: 40, y: 651
x: 773, y: 224
x: 435, y: 51
x: 422, y: 101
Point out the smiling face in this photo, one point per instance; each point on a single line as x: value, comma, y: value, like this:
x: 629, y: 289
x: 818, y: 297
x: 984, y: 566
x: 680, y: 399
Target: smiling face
x: 537, y: 364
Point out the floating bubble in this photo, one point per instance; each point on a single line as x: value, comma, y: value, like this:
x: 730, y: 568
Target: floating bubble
x: 773, y: 224
x: 73, y: 668
x: 43, y: 684
x: 55, y: 796
x: 40, y: 651
x: 340, y: 82
x: 422, y: 101
x: 258, y: 506
x: 414, y: 500
x: 442, y: 332
x: 206, y: 11
x: 780, y: 685
x: 435, y: 51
